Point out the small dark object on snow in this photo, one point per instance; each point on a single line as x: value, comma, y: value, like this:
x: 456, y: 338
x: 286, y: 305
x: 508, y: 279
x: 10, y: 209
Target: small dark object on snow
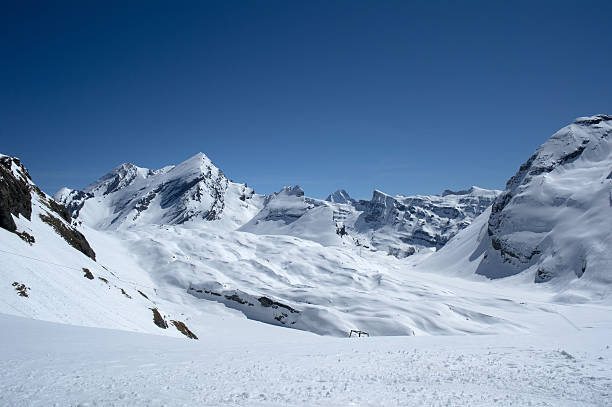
x: 143, y: 294
x: 358, y: 333
x: 22, y: 290
x: 88, y: 274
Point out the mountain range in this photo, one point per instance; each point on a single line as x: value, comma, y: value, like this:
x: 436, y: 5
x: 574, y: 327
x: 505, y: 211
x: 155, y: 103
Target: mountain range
x: 171, y: 250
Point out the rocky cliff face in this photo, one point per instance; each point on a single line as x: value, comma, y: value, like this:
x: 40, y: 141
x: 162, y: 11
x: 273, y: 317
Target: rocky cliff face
x: 130, y: 195
x: 15, y: 197
x: 399, y: 225
x: 340, y: 196
x: 555, y: 214
x: 20, y: 198
x: 404, y: 224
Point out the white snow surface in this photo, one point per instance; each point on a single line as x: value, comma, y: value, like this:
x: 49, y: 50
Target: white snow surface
x: 236, y: 365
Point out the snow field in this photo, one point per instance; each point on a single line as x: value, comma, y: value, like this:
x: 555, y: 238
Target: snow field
x: 90, y: 366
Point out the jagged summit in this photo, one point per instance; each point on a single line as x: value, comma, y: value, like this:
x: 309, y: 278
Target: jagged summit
x: 128, y: 195
x: 340, y: 196
x: 295, y: 191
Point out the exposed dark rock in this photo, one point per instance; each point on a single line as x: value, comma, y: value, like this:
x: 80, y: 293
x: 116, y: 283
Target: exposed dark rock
x: 52, y: 205
x: 70, y: 235
x: 126, y: 294
x: 75, y: 202
x: 158, y: 319
x: 88, y: 274
x: 235, y: 297
x: 543, y: 275
x: 26, y: 237
x: 22, y: 290
x: 15, y: 198
x: 266, y: 302
x: 183, y: 329
x: 143, y: 294
x: 588, y: 121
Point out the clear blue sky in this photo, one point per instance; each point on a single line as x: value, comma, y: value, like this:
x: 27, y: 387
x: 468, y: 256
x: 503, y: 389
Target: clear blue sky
x: 406, y: 97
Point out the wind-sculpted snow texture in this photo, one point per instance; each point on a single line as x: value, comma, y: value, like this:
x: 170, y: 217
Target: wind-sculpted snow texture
x: 130, y: 195
x: 555, y: 217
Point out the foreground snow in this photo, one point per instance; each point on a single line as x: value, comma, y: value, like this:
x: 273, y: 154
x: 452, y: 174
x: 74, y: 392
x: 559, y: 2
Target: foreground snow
x: 44, y: 363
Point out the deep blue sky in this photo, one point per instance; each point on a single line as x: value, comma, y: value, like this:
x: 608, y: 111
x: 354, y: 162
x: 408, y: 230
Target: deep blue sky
x: 404, y: 97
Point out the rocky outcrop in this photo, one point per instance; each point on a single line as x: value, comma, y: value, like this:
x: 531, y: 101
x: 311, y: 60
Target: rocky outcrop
x: 15, y: 198
x: 17, y: 194
x: 70, y: 234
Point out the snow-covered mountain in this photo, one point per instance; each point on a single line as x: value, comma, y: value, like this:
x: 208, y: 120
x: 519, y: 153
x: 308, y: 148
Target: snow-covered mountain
x: 294, y: 270
x: 197, y: 191
x: 340, y: 196
x: 403, y: 225
x: 138, y: 249
x: 193, y: 190
x: 555, y: 216
x: 398, y: 225
x: 553, y: 222
x: 54, y: 269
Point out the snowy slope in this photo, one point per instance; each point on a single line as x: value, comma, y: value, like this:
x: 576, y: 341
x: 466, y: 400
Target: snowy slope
x: 55, y: 270
x: 239, y: 366
x: 194, y: 190
x: 554, y: 220
x: 288, y: 212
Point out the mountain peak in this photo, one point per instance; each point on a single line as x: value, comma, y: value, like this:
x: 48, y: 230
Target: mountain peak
x: 340, y: 196
x: 291, y: 191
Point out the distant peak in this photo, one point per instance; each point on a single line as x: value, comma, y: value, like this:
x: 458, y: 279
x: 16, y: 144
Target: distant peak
x: 199, y: 156
x: 124, y: 167
x: 292, y: 191
x: 379, y: 195
x: 340, y: 196
x: 199, y: 161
